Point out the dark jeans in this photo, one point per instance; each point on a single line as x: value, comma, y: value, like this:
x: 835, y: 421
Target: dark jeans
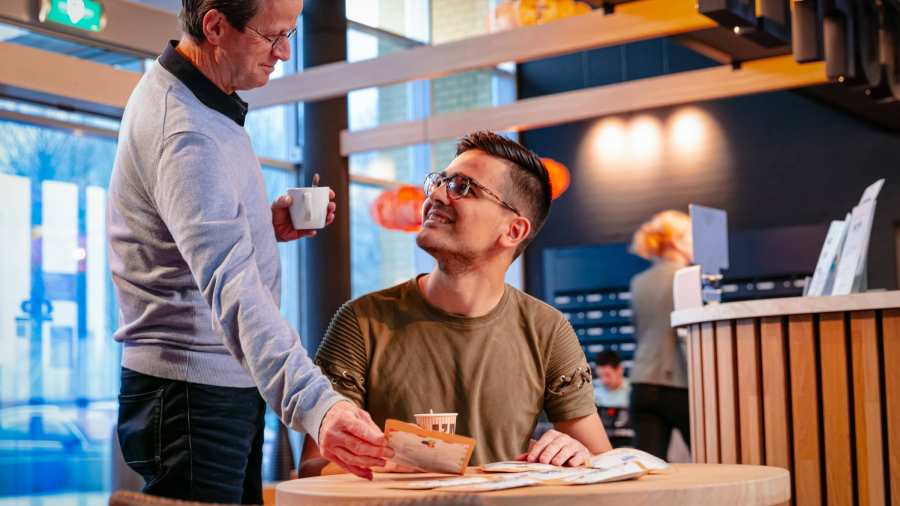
x: 655, y: 411
x: 190, y: 441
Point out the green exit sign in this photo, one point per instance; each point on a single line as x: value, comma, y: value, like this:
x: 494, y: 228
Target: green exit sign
x: 81, y: 14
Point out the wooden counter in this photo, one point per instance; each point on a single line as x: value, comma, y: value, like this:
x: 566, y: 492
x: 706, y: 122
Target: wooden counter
x: 811, y: 385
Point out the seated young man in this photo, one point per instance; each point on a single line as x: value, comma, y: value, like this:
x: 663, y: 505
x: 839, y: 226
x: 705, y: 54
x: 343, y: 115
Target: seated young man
x: 459, y: 339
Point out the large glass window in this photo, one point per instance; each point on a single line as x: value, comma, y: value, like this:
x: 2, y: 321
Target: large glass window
x: 406, y: 18
x: 380, y: 257
x: 58, y: 362
x: 59, y: 366
x: 16, y: 35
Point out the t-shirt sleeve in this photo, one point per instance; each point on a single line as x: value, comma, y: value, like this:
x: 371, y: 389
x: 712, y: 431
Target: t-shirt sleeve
x: 342, y: 356
x: 568, y: 393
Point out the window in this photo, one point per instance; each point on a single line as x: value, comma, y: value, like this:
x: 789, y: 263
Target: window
x: 381, y: 258
x: 59, y: 366
x: 16, y: 35
x: 276, y: 132
x: 408, y: 19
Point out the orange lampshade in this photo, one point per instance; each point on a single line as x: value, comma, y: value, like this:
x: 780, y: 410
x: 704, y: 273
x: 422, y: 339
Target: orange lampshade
x: 512, y: 13
x: 399, y: 209
x: 560, y: 179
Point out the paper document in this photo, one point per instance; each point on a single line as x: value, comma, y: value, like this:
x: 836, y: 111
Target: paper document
x: 427, y: 450
x: 516, y: 481
x: 620, y: 456
x: 517, y: 466
x: 439, y: 483
x: 853, y: 255
x: 623, y: 472
x: 850, y: 275
x: 825, y: 267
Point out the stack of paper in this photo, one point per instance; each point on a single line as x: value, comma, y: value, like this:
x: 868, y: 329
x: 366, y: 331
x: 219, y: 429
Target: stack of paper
x: 615, y: 465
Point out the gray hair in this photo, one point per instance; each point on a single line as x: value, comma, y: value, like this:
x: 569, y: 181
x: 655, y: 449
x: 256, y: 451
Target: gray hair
x: 237, y: 12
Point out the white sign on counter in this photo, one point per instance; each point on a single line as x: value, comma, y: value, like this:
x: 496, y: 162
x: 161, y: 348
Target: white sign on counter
x: 823, y: 277
x: 852, y: 263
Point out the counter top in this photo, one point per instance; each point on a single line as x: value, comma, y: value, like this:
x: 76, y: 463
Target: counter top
x: 786, y: 306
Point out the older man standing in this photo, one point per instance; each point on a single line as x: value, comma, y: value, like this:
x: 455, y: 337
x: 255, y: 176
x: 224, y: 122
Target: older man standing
x: 194, y: 260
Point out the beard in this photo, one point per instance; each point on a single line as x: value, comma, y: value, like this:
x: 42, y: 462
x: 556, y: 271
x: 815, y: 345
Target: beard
x: 451, y: 256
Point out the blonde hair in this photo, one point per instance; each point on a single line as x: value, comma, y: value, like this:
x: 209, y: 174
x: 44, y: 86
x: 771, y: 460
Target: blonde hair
x: 665, y: 231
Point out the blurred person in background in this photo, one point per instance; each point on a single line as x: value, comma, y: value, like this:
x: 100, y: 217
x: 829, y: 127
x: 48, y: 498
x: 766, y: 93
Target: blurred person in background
x: 611, y: 396
x: 611, y: 387
x: 659, y: 396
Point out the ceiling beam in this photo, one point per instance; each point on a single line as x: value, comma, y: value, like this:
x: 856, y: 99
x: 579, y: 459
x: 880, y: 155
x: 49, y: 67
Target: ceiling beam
x: 639, y: 20
x: 771, y: 74
x: 63, y: 80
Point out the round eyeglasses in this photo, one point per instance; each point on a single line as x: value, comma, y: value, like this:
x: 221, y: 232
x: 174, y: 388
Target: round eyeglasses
x: 275, y: 39
x: 459, y: 185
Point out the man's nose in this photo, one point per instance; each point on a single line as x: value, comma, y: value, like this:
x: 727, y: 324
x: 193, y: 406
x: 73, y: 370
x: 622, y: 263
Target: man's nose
x: 439, y: 194
x: 282, y: 49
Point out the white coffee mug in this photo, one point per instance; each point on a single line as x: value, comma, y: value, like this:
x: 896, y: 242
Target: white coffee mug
x: 309, y: 207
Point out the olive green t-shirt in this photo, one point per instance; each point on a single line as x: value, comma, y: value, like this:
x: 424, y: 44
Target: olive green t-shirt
x: 395, y: 355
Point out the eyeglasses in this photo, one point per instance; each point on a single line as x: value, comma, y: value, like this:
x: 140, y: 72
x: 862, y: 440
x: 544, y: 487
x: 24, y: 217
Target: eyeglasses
x: 458, y: 186
x: 274, y: 39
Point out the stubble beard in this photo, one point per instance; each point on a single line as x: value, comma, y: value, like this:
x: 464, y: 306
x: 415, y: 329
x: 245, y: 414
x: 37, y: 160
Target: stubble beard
x: 452, y: 261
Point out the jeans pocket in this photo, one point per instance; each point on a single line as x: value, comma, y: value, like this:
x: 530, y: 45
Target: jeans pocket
x: 140, y: 432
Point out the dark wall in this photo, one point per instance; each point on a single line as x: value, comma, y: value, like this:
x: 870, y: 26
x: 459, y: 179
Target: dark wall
x: 771, y: 160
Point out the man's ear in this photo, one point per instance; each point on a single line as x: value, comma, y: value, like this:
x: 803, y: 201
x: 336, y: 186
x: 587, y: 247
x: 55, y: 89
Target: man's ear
x: 214, y: 26
x: 517, y: 232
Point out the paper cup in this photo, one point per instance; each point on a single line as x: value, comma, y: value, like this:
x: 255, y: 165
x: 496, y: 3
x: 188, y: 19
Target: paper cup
x: 440, y: 422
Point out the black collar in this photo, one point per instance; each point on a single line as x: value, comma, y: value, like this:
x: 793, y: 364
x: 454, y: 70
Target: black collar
x: 202, y: 88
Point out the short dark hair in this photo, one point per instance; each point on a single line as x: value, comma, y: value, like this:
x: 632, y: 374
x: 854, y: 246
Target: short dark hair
x: 237, y: 12
x: 608, y: 357
x: 529, y: 182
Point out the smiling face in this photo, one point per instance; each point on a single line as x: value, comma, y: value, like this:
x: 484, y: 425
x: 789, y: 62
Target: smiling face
x: 476, y: 226
x: 246, y: 57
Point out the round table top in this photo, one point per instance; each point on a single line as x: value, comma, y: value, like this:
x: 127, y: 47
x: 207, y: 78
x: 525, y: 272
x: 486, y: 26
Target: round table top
x: 687, y: 484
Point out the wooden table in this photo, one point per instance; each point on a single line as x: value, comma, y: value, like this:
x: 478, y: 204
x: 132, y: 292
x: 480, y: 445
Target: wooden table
x: 688, y: 484
x: 808, y: 384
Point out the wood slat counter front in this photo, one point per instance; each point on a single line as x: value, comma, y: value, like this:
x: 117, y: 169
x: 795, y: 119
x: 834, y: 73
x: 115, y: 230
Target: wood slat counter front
x: 809, y: 384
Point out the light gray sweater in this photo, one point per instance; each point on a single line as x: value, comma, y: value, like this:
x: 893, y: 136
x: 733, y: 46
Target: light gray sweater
x: 194, y: 258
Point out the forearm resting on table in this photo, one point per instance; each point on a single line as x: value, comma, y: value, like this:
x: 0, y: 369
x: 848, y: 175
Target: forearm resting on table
x: 588, y: 430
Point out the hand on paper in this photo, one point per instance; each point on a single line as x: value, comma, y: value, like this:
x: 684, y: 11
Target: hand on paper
x: 349, y: 438
x: 559, y: 449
